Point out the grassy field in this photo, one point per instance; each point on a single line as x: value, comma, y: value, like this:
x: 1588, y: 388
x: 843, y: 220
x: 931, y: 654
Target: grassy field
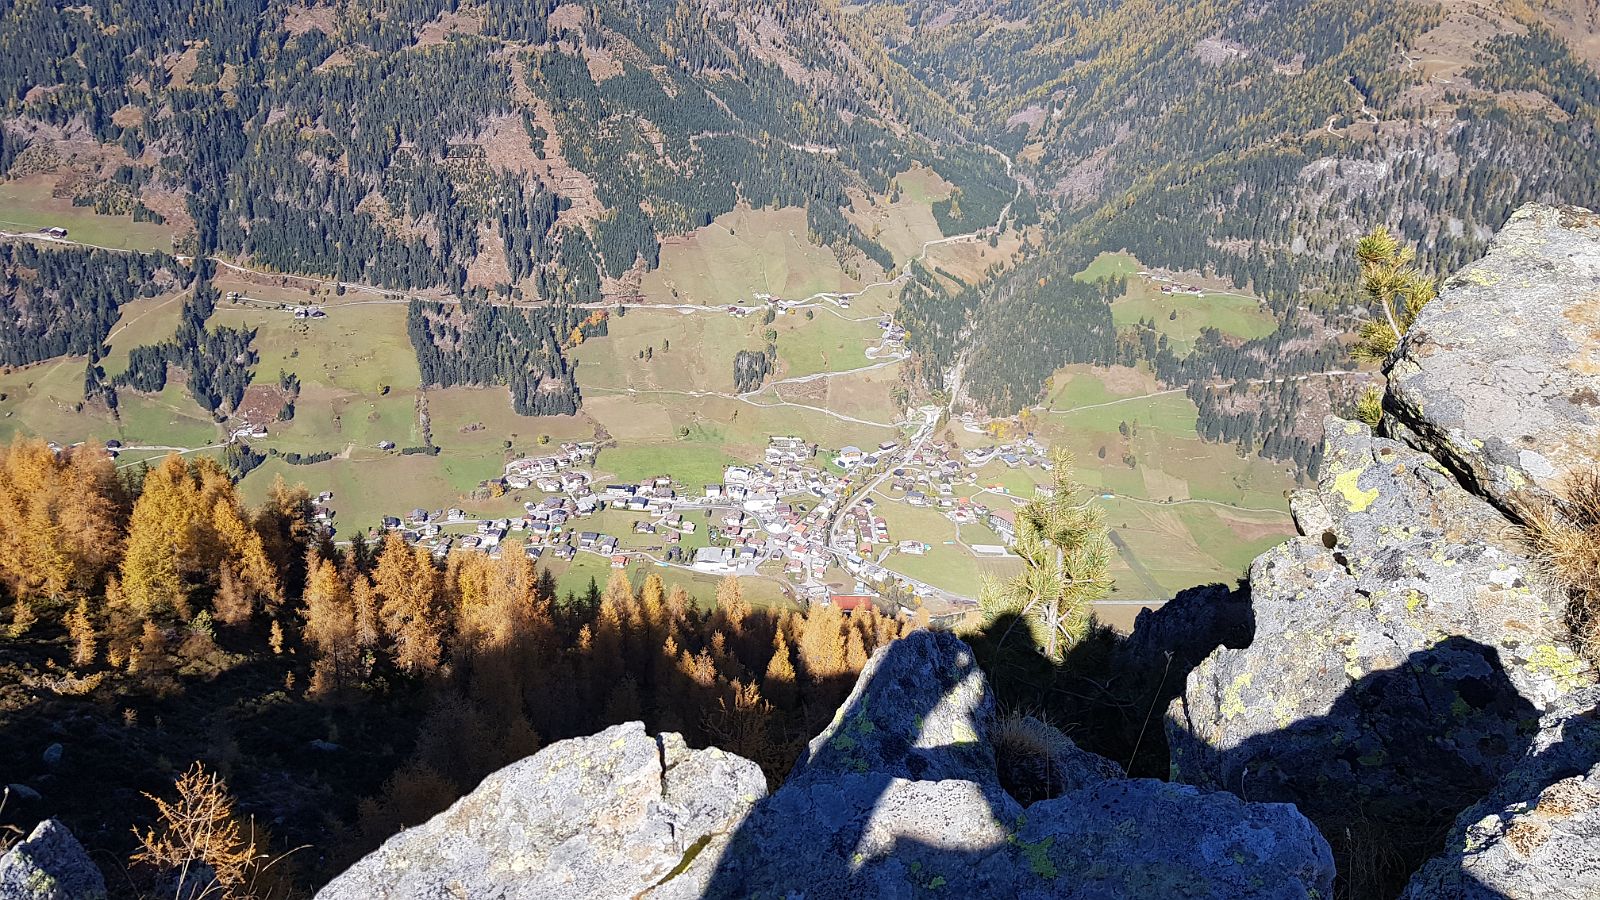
x: 370, y: 486
x: 360, y: 349
x: 1178, y: 316
x: 1189, y: 512
x: 741, y: 429
x: 692, y: 465
x: 687, y: 351
x: 968, y: 262
x: 742, y: 253
x: 823, y: 343
x: 44, y: 400
x: 148, y: 320
x: 1110, y: 265
x: 171, y: 418
x: 483, y: 417
x: 26, y: 205
x: 863, y: 395
x: 1182, y: 316
x: 903, y: 226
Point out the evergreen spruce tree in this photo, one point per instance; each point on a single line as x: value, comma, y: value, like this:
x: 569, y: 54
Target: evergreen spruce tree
x: 1066, y: 557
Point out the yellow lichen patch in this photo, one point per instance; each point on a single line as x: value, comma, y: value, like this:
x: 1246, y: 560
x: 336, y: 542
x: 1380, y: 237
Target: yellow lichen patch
x: 1232, y: 698
x: 1352, y: 663
x: 1568, y: 670
x: 1355, y: 498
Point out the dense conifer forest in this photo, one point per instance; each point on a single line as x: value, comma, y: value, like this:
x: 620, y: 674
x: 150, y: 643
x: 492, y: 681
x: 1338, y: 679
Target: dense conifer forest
x: 479, y: 344
x: 64, y: 302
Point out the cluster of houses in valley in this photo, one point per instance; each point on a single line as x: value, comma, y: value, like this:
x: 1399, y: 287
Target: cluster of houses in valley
x: 930, y: 478
x: 850, y: 457
x: 545, y: 471
x: 779, y: 510
x: 776, y: 509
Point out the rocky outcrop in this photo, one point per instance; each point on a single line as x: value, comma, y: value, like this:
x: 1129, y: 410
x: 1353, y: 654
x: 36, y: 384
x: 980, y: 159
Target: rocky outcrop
x: 1402, y: 654
x: 1537, y: 835
x: 1409, y: 662
x: 50, y: 865
x: 1500, y: 375
x: 609, y: 815
x: 900, y: 795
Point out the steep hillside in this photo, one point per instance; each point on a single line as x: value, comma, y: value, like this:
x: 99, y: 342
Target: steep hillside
x: 540, y: 149
x: 1254, y: 140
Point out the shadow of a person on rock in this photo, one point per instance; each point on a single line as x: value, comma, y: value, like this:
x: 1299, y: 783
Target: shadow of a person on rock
x: 900, y: 796
x: 1397, y: 757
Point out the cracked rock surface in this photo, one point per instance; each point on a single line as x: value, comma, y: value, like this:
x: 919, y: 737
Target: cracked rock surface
x: 608, y: 815
x: 1500, y: 375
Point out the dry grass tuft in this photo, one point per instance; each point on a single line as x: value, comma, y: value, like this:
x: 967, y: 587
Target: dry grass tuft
x: 1564, y: 535
x: 9, y: 834
x: 1026, y: 751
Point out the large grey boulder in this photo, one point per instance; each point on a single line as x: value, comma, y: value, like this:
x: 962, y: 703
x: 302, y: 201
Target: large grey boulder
x: 1536, y: 836
x: 1499, y: 377
x: 604, y: 816
x: 50, y: 865
x: 900, y: 797
x: 1403, y: 655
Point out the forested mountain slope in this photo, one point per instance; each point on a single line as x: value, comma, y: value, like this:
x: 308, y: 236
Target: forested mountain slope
x: 1256, y: 138
x: 421, y: 143
x: 542, y: 151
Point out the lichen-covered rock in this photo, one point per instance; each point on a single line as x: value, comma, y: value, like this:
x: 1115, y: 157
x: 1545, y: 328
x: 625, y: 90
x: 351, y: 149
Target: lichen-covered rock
x: 1147, y: 838
x: 1402, y: 656
x: 1537, y: 835
x: 900, y: 797
x: 604, y: 816
x: 50, y: 865
x: 921, y: 713
x: 1500, y: 375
